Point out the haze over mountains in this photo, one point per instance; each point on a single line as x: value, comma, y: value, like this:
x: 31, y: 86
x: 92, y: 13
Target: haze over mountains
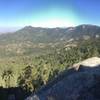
x: 8, y: 29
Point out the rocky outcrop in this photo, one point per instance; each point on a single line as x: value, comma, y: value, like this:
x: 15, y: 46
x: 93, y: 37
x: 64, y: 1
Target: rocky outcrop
x: 91, y: 62
x: 80, y: 84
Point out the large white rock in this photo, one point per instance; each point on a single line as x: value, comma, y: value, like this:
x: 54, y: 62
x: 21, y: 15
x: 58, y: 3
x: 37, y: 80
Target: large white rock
x: 90, y: 62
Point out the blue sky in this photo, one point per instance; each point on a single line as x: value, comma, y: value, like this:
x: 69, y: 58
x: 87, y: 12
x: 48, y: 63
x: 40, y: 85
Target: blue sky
x: 49, y: 13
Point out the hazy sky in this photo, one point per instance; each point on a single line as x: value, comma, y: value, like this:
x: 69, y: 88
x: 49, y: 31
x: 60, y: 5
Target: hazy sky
x: 49, y: 13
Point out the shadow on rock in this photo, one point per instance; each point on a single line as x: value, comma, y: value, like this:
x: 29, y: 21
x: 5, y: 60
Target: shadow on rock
x: 81, y: 84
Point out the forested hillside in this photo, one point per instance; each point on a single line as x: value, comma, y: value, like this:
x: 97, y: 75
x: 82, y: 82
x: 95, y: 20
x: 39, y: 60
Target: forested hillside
x: 36, y: 41
x: 31, y: 73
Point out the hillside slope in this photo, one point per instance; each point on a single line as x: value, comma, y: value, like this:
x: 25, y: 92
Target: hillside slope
x: 34, y: 41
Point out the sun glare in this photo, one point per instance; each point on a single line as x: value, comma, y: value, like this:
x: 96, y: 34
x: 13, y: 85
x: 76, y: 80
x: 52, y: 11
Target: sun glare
x: 54, y: 23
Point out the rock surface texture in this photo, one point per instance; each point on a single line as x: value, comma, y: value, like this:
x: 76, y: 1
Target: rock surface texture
x: 80, y: 84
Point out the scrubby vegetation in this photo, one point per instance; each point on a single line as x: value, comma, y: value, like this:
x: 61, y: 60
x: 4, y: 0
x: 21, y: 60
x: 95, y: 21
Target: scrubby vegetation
x: 31, y: 73
x: 46, y: 67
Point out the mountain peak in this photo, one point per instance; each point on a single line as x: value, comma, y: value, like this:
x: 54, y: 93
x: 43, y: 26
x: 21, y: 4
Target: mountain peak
x: 28, y: 27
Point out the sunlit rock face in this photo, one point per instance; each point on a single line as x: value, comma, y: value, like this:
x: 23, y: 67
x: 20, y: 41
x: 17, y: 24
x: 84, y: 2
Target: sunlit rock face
x: 90, y: 62
x: 80, y: 84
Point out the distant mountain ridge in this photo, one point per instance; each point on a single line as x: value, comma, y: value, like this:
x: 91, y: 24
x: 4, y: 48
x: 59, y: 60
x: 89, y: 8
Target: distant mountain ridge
x: 35, y: 39
x: 42, y: 35
x: 57, y: 34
